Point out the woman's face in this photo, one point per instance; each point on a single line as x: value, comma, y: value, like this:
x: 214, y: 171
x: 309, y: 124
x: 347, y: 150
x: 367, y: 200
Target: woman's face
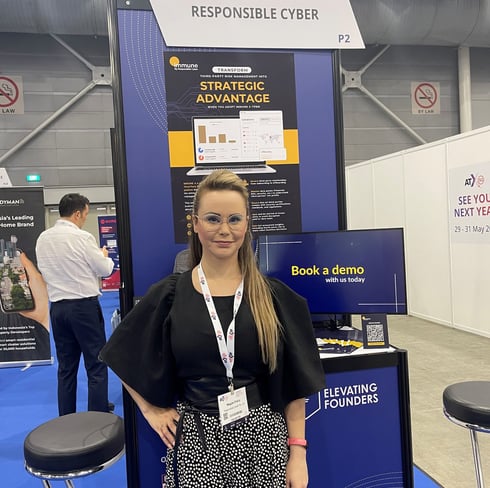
x: 221, y: 223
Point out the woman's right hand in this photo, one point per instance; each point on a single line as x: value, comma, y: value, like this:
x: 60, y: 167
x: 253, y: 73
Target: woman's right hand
x: 164, y: 422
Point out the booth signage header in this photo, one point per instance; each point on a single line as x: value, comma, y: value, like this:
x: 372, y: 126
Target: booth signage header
x: 316, y: 24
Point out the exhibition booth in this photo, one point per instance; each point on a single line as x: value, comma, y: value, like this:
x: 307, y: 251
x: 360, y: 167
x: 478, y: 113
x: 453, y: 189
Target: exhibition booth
x: 259, y: 87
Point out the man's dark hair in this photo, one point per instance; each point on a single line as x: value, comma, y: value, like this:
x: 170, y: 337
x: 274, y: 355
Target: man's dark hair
x: 71, y: 203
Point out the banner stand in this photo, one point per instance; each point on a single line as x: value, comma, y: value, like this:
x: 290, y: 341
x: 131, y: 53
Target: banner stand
x: 24, y: 311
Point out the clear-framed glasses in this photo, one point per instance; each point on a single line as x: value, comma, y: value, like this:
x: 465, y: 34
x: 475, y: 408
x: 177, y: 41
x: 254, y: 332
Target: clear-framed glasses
x: 213, y: 221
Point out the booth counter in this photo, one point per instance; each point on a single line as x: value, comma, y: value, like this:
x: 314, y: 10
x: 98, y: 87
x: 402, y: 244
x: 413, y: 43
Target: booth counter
x: 358, y: 427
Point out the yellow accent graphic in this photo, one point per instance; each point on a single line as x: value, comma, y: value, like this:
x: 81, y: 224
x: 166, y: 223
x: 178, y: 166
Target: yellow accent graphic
x: 339, y: 342
x: 181, y: 148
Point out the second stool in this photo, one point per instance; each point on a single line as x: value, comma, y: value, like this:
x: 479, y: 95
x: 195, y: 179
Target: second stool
x: 468, y: 405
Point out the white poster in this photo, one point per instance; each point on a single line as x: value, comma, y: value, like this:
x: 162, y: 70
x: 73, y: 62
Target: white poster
x: 469, y: 203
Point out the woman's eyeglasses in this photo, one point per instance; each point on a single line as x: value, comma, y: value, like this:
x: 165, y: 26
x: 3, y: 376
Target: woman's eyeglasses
x: 214, y: 220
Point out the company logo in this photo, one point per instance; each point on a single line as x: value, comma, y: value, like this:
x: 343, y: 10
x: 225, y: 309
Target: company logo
x: 176, y: 64
x: 14, y: 203
x: 474, y: 180
x: 313, y: 405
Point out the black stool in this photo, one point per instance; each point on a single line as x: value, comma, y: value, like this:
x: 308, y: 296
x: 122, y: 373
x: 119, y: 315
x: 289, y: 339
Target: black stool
x: 74, y: 445
x: 468, y: 405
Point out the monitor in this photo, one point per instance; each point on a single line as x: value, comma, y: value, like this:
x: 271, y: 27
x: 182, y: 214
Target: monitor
x: 340, y: 272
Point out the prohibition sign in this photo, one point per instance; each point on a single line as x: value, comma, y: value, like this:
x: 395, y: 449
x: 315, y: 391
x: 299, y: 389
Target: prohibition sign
x: 9, y: 92
x: 425, y: 95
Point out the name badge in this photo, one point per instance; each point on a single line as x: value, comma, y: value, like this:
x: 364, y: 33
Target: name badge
x: 233, y: 408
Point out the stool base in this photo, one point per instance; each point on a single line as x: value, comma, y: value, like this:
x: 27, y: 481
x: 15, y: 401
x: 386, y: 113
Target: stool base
x: 474, y: 446
x: 67, y: 477
x: 68, y: 484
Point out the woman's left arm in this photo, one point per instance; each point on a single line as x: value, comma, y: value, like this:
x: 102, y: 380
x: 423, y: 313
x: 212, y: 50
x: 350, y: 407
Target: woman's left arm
x: 296, y: 470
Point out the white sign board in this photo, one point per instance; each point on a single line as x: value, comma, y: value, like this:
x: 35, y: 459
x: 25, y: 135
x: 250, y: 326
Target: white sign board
x: 426, y: 98
x: 11, y: 95
x: 4, y: 178
x: 258, y: 24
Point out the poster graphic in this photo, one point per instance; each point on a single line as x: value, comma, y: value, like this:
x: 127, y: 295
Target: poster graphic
x: 235, y: 110
x: 469, y: 203
x: 24, y: 313
x: 108, y: 238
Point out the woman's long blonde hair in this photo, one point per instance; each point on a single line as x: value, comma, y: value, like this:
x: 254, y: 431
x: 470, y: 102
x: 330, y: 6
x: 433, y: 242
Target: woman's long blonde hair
x: 257, y: 291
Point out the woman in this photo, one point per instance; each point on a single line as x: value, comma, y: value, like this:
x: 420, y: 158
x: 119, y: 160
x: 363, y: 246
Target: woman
x: 219, y: 359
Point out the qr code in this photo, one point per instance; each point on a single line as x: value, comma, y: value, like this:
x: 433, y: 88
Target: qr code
x: 375, y: 333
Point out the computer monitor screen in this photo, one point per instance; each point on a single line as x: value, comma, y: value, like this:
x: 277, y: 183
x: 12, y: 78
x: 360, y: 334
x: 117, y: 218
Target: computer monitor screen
x: 340, y: 272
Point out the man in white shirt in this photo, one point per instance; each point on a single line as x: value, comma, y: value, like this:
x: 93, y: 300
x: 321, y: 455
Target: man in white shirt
x: 72, y: 264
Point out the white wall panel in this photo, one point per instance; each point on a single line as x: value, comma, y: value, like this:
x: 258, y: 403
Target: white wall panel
x: 447, y: 281
x: 389, y: 203
x: 360, y: 197
x: 427, y: 258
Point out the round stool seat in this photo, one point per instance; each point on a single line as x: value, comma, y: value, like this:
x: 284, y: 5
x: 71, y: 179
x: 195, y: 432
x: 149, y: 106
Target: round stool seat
x: 469, y: 402
x: 74, y: 442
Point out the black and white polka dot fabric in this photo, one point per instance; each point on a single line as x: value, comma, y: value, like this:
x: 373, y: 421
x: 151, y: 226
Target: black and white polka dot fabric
x: 253, y: 454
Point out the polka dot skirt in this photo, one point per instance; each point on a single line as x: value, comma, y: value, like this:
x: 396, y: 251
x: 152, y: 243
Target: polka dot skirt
x: 253, y: 454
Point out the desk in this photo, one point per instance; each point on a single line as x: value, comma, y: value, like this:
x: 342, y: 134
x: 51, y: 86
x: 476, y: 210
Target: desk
x: 358, y: 428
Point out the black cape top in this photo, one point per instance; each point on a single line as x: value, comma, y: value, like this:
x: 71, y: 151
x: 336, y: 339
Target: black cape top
x: 139, y: 350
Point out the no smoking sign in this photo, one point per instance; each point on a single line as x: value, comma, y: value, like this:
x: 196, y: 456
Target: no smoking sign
x: 425, y: 98
x: 11, y: 95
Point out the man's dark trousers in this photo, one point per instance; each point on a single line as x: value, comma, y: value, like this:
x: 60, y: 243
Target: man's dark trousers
x: 78, y: 328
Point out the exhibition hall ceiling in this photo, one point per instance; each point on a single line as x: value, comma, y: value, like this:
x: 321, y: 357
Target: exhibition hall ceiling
x: 396, y: 22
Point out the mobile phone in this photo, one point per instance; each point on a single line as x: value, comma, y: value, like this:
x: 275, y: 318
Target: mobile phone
x: 15, y: 294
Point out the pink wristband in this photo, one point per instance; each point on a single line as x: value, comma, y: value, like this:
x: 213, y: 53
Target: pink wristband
x: 297, y: 442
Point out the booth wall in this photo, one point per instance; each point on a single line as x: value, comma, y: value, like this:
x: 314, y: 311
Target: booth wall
x: 446, y: 280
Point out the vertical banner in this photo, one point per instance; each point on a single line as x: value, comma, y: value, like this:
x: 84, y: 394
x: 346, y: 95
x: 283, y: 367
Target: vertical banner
x: 269, y: 115
x: 24, y: 316
x: 108, y: 238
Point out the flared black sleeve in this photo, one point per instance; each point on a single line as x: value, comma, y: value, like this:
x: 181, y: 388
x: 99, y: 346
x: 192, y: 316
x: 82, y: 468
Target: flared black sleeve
x: 139, y: 350
x: 300, y: 372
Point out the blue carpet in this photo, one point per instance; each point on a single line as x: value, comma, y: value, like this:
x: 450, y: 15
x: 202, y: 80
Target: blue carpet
x: 28, y: 398
x: 423, y: 480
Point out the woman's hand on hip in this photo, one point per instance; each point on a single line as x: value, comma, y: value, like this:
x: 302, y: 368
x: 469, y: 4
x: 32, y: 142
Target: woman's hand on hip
x: 164, y: 422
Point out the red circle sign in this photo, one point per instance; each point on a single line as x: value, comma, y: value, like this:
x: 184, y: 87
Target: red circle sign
x: 9, y: 92
x: 425, y: 95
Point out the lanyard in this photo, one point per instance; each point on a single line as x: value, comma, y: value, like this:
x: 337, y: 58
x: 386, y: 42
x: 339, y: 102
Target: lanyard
x: 226, y: 350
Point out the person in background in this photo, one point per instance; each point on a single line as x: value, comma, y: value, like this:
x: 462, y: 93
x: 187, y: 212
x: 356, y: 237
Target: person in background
x: 219, y: 359
x: 72, y: 264
x: 181, y: 262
